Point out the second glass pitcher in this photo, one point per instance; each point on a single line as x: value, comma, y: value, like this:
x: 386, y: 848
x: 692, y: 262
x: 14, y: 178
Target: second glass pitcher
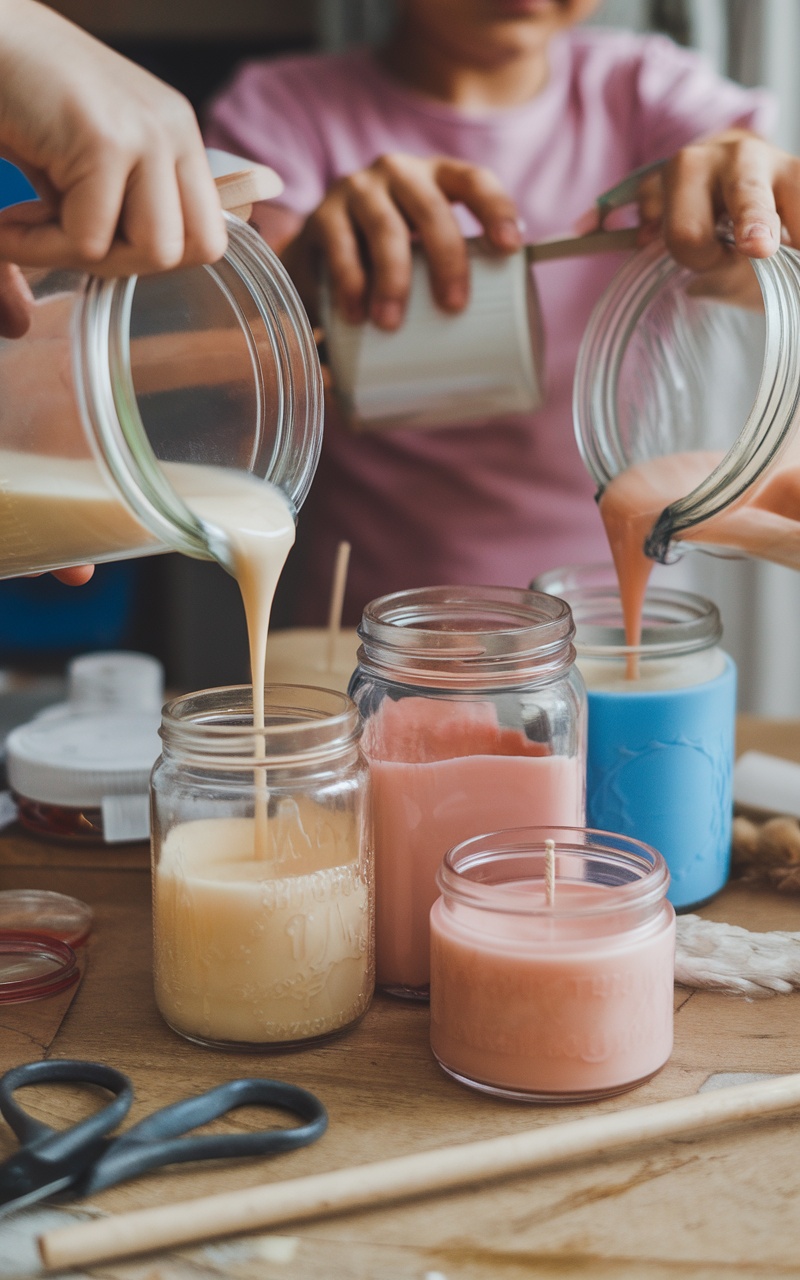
x: 665, y: 368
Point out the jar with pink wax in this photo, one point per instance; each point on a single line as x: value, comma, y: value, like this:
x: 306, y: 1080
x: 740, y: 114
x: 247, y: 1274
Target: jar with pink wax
x: 552, y: 968
x: 474, y: 719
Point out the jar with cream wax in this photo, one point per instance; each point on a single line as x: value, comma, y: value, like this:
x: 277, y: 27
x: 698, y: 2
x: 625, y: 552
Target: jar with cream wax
x: 262, y: 868
x: 475, y: 718
x: 552, y: 983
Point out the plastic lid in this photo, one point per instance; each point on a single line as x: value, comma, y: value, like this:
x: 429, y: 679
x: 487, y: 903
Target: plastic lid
x: 78, y: 759
x: 41, y: 911
x: 33, y: 966
x: 116, y: 680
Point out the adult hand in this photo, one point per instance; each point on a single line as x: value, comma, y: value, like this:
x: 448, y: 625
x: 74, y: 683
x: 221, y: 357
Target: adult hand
x: 115, y: 154
x: 364, y: 227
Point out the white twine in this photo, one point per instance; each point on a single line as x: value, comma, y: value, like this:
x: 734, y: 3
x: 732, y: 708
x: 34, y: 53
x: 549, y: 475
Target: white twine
x: 726, y: 958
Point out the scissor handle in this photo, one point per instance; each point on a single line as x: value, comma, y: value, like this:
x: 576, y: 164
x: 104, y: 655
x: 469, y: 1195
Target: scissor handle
x: 626, y: 192
x: 157, y: 1140
x: 46, y: 1155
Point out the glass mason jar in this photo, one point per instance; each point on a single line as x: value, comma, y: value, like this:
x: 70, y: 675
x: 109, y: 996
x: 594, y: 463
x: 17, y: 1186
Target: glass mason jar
x: 666, y: 369
x: 262, y: 868
x: 474, y: 719
x: 661, y: 725
x: 125, y: 395
x: 552, y: 996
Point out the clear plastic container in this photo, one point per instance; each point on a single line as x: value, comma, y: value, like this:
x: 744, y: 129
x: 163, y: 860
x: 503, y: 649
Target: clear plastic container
x: 125, y: 395
x: 475, y: 718
x: 664, y: 369
x: 262, y: 868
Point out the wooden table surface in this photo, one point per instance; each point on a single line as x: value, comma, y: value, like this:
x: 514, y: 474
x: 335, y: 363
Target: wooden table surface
x: 721, y: 1205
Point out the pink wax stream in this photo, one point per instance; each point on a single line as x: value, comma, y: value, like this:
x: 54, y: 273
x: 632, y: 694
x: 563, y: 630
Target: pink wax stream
x: 443, y: 772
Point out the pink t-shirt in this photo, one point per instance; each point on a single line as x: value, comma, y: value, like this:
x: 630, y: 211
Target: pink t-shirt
x: 491, y: 503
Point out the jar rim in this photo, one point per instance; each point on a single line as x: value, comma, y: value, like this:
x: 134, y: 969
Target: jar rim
x: 674, y: 622
x: 641, y: 871
x: 470, y: 636
x: 300, y: 721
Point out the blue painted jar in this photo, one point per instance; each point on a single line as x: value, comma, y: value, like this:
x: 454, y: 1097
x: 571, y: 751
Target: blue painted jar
x: 661, y: 744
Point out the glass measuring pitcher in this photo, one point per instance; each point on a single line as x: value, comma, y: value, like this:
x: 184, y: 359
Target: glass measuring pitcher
x: 124, y: 394
x: 666, y: 369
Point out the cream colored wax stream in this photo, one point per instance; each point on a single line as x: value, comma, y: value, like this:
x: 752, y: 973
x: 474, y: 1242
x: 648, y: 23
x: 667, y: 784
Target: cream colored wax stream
x: 262, y: 924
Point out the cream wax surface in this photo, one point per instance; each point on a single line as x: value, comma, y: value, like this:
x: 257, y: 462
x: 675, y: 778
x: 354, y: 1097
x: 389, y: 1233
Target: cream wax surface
x: 441, y: 773
x: 553, y: 1006
x: 274, y: 948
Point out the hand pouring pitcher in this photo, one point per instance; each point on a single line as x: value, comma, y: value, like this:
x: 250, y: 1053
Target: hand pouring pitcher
x: 124, y: 392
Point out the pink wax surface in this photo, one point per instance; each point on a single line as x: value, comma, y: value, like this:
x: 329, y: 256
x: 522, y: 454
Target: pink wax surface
x: 552, y: 1005
x: 443, y: 772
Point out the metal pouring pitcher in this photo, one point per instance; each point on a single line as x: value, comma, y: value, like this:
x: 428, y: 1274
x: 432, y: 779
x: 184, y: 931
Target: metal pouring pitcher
x: 440, y: 368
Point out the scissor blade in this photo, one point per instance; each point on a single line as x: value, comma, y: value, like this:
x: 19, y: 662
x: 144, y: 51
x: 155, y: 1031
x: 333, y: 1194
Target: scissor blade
x: 25, y: 1199
x: 25, y: 1178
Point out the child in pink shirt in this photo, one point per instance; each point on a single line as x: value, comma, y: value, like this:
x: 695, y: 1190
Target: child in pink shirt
x: 485, y: 116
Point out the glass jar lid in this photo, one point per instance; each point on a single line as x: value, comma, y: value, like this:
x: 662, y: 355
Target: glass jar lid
x: 33, y: 966
x: 41, y: 911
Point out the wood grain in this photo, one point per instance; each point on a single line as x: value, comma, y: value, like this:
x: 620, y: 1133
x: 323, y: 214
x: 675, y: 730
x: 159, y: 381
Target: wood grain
x: 719, y: 1206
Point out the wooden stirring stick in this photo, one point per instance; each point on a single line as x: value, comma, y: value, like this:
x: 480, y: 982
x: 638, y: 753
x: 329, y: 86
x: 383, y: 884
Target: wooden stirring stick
x: 579, y: 246
x: 337, y: 601
x: 251, y: 1209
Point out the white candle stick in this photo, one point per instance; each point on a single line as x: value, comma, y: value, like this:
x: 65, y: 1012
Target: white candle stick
x: 405, y: 1177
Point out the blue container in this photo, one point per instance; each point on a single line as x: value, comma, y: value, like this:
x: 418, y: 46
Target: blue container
x: 661, y: 746
x: 660, y: 768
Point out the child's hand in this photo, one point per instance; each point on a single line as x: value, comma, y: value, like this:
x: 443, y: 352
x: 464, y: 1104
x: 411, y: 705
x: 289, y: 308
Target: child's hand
x: 364, y: 227
x: 734, y: 174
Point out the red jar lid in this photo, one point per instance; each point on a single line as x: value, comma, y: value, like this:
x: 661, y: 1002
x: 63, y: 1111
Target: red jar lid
x: 33, y: 966
x: 41, y: 911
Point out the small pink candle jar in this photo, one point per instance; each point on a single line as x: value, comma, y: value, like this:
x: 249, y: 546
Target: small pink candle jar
x: 552, y: 997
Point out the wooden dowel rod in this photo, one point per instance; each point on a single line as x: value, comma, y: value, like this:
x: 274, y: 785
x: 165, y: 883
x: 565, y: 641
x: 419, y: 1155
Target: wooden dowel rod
x: 408, y: 1176
x: 579, y: 246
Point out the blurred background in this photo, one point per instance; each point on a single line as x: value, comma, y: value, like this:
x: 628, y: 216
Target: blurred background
x: 166, y: 605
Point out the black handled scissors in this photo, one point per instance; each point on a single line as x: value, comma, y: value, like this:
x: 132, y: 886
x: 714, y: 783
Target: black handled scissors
x: 81, y: 1160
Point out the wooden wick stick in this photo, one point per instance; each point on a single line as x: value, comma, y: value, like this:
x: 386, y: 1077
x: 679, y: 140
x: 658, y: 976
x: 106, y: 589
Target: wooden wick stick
x: 550, y: 872
x: 252, y: 1209
x: 337, y: 601
x: 579, y: 246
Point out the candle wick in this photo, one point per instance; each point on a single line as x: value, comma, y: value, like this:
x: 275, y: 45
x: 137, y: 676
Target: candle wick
x: 337, y: 601
x: 550, y: 872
